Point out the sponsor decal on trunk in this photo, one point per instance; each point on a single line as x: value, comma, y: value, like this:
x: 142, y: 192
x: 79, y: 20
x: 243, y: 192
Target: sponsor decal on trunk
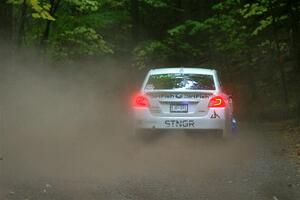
x: 215, y: 115
x: 181, y: 96
x: 179, y: 123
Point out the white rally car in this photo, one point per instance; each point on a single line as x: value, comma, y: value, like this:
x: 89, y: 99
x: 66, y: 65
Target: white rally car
x: 183, y: 98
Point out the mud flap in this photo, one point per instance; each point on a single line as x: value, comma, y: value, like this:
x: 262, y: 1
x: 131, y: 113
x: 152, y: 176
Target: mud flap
x: 233, y: 126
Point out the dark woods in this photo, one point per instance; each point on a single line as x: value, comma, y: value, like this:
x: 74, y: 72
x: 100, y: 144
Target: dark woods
x: 255, y: 45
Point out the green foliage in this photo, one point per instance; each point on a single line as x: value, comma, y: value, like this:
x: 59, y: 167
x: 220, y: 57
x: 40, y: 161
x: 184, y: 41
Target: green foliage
x: 103, y: 19
x: 263, y: 24
x: 157, y: 3
x: 86, y: 5
x: 268, y: 12
x: 81, y: 41
x: 41, y: 10
x: 151, y: 53
x: 223, y: 32
x: 254, y: 9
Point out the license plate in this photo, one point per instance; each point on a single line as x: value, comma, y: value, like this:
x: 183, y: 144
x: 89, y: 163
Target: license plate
x: 179, y: 108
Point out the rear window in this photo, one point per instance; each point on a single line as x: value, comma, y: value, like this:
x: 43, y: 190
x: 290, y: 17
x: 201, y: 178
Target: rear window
x: 180, y: 81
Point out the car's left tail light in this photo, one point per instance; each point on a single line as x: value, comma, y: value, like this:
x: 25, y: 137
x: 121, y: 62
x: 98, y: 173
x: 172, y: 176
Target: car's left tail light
x: 140, y: 100
x: 217, y: 102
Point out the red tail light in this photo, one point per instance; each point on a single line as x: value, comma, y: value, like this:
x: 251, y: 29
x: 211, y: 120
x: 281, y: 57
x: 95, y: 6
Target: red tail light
x: 216, y: 102
x: 140, y: 101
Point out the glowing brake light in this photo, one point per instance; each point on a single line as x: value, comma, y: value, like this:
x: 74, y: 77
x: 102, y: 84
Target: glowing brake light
x: 216, y: 102
x: 140, y: 101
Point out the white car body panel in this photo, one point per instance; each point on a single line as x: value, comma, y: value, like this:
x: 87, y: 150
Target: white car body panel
x: 158, y: 114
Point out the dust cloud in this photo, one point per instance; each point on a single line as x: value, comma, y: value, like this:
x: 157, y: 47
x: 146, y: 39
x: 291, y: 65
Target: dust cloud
x: 73, y: 122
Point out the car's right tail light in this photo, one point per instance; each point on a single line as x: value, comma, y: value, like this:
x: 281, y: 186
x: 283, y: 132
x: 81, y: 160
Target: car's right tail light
x: 140, y: 101
x: 217, y: 102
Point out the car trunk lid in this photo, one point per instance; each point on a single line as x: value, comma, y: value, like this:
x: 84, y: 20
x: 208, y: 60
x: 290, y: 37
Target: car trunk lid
x: 179, y: 103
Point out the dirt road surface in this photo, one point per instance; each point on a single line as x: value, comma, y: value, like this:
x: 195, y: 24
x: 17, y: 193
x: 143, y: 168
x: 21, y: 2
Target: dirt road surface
x: 172, y: 166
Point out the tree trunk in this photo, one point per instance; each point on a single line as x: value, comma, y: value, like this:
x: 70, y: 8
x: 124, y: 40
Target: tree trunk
x: 278, y: 62
x: 22, y: 24
x: 186, y: 6
x: 5, y: 21
x: 45, y: 37
x: 178, y: 6
x: 136, y: 21
x: 253, y: 100
x: 294, y: 13
x: 6, y: 49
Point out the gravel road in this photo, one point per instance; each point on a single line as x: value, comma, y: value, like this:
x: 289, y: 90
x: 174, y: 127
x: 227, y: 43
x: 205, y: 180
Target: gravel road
x: 169, y: 166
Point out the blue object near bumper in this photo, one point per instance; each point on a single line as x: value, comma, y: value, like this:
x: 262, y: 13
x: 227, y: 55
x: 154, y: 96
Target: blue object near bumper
x: 233, y: 125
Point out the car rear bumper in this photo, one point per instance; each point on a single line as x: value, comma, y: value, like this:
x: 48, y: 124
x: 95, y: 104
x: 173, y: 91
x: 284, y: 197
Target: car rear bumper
x: 145, y: 120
